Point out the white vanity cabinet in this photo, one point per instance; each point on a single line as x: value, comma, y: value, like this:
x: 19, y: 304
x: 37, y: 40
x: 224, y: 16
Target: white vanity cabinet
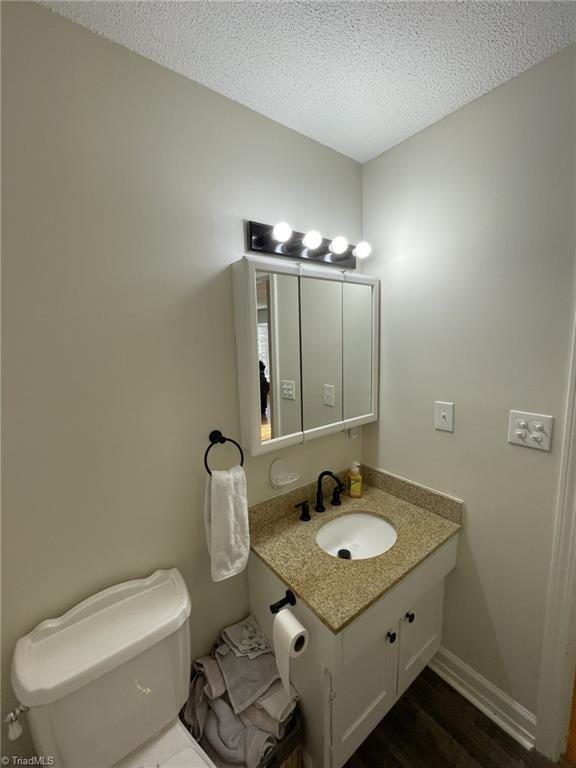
x: 348, y: 681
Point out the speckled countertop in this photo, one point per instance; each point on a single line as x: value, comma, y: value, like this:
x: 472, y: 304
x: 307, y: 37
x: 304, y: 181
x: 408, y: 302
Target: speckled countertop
x: 339, y: 590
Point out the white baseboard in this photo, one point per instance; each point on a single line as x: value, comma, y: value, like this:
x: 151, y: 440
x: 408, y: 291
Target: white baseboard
x: 508, y: 714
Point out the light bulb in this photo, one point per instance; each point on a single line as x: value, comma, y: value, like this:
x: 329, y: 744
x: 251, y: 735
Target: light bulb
x: 338, y: 245
x: 362, y: 250
x: 282, y: 232
x: 312, y: 240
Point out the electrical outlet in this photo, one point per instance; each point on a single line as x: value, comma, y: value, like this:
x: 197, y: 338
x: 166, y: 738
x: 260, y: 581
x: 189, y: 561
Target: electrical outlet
x: 533, y: 430
x: 329, y: 397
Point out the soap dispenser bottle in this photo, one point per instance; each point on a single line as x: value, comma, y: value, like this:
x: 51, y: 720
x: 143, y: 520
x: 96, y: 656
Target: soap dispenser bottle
x: 355, y: 481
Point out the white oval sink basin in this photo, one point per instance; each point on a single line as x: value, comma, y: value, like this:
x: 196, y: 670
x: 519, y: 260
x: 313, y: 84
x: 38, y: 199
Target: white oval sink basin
x: 361, y: 534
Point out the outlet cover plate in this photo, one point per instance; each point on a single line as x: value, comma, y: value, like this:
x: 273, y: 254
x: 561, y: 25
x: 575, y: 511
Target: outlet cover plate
x: 444, y: 416
x: 329, y: 395
x: 288, y: 389
x: 532, y: 430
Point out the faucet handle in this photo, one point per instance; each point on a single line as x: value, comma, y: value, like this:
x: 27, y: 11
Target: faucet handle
x: 305, y: 514
x: 340, y: 488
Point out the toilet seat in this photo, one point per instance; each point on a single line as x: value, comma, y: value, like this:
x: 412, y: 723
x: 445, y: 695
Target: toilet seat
x: 173, y: 747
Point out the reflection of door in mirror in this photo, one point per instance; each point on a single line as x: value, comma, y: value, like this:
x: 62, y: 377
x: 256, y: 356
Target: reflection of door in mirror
x: 278, y: 355
x: 321, y: 312
x: 357, y: 343
x: 263, y: 330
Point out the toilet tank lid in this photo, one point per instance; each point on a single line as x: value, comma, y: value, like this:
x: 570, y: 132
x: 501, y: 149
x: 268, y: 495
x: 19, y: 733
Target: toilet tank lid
x: 63, y: 654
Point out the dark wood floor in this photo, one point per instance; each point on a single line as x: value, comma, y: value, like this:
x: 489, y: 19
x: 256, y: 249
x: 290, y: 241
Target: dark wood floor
x: 433, y: 726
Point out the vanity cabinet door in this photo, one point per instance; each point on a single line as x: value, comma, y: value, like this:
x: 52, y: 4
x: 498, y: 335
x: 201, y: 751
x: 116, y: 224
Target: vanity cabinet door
x: 420, y: 630
x: 363, y: 692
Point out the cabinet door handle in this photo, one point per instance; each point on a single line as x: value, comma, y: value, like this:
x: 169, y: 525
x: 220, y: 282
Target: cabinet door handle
x: 391, y: 637
x: 410, y: 616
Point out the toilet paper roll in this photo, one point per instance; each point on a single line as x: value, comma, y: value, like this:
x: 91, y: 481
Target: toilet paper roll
x: 290, y: 640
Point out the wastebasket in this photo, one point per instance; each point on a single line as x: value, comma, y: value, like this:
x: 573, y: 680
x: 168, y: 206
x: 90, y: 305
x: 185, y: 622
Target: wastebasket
x: 288, y: 752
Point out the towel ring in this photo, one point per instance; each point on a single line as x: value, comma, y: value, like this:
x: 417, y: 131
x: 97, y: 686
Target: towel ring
x: 217, y: 437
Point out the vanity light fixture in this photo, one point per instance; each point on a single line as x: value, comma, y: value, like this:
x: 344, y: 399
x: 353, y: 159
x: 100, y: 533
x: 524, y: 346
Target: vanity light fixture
x: 310, y: 246
x: 312, y: 240
x: 362, y: 250
x: 281, y: 232
x: 339, y: 245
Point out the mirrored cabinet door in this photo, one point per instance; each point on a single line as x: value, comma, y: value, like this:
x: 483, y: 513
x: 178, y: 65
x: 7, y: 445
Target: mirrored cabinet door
x: 321, y: 332
x: 357, y: 345
x: 278, y: 332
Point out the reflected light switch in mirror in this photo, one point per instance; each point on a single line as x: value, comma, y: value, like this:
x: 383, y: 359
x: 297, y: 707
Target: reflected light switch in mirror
x: 444, y: 416
x: 329, y: 397
x: 288, y: 389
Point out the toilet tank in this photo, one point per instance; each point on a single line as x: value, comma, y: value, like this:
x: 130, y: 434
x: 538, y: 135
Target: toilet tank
x: 108, y: 674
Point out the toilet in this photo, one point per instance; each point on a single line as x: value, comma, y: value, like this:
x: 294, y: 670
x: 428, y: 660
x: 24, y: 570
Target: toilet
x: 105, y: 682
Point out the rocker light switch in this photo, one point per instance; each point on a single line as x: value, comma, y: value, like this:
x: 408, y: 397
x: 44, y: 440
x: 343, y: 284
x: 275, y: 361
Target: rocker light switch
x: 534, y: 430
x: 444, y: 416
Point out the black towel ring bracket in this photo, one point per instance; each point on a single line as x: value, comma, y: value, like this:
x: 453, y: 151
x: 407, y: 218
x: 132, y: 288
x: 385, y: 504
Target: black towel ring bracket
x: 216, y: 437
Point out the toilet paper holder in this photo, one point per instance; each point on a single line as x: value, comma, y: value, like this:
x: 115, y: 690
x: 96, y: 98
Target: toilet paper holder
x: 288, y: 599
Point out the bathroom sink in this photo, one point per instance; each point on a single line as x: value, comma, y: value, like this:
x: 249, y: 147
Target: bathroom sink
x: 356, y: 536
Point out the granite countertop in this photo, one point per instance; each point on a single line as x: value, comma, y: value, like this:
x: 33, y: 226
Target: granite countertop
x: 338, y: 591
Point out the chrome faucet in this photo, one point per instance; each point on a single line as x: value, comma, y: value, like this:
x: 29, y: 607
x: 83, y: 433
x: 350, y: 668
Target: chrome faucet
x: 335, y: 493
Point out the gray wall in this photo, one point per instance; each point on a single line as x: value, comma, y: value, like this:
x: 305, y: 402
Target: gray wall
x: 124, y: 191
x: 472, y: 226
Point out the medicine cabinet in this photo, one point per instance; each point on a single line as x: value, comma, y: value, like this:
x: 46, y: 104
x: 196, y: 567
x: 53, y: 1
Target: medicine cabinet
x: 307, y: 345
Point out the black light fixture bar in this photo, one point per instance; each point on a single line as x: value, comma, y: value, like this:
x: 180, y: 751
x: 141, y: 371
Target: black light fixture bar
x: 259, y: 240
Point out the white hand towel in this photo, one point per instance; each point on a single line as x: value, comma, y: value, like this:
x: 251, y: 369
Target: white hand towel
x: 226, y: 522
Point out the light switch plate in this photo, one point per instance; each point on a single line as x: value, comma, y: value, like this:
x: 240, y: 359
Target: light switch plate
x: 533, y: 430
x: 444, y: 416
x: 329, y: 397
x: 288, y: 389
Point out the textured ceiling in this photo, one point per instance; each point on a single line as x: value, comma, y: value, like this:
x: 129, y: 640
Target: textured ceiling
x: 357, y: 76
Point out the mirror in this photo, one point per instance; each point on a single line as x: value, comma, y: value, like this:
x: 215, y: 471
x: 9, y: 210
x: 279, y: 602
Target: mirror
x: 307, y: 351
x: 278, y: 339
x: 321, y: 328
x: 357, y: 330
